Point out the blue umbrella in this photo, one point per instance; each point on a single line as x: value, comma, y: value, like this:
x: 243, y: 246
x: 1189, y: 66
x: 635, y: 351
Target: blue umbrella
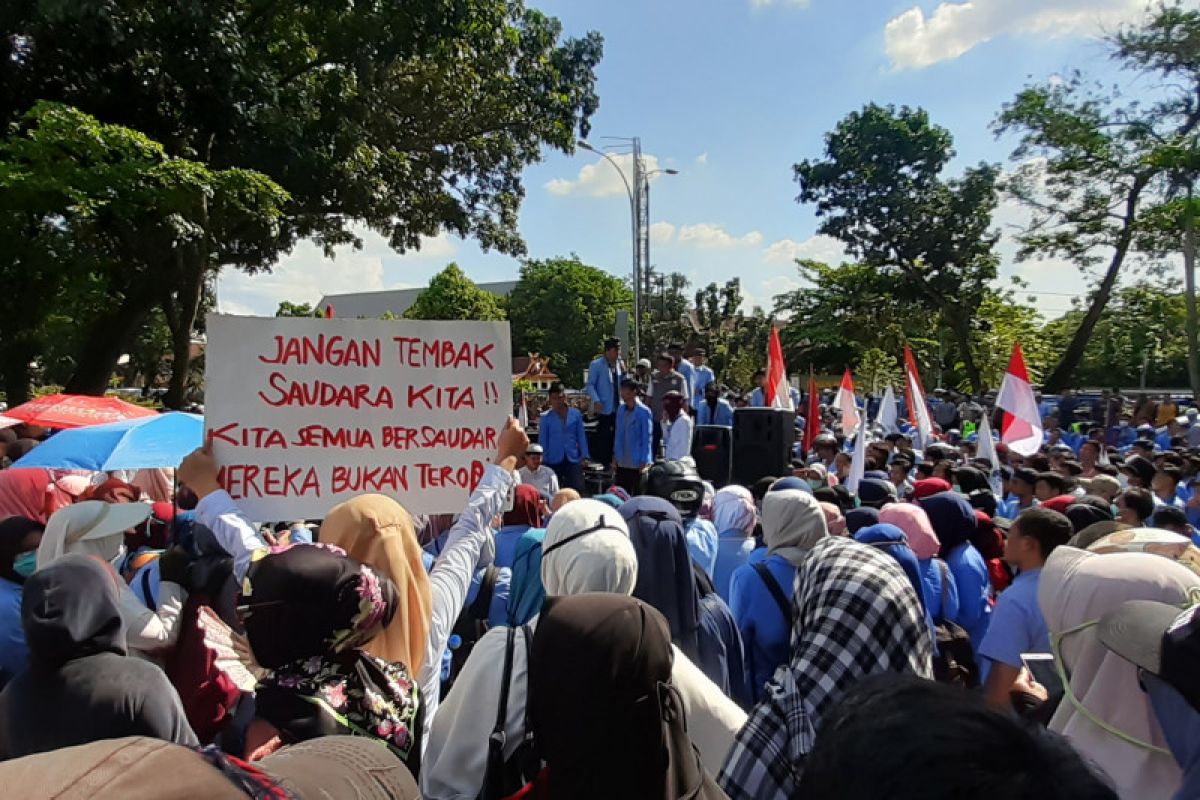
x: 147, y: 443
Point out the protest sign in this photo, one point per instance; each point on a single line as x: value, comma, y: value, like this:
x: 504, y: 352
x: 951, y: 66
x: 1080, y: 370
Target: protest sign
x: 306, y: 413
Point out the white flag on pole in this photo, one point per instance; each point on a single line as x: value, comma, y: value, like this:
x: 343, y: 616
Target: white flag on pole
x: 985, y: 448
x: 858, y: 462
x: 886, y: 418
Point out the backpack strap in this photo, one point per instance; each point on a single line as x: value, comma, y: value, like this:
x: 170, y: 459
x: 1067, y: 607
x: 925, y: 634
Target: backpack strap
x: 531, y: 763
x: 494, y: 776
x: 150, y: 602
x: 943, y: 568
x: 785, y: 605
x: 482, y: 606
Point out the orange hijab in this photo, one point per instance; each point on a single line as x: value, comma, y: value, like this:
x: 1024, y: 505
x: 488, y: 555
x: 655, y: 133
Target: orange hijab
x: 377, y: 531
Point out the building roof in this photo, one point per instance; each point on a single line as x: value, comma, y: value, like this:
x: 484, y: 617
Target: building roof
x: 372, y: 305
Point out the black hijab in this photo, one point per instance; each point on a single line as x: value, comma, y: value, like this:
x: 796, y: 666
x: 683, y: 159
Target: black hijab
x: 1088, y: 510
x: 665, y: 577
x: 308, y: 610
x: 605, y: 716
x: 69, y: 610
x: 13, y: 531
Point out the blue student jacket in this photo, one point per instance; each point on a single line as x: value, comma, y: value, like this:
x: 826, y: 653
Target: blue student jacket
x: 633, y: 436
x: 600, y: 384
x: 563, y: 442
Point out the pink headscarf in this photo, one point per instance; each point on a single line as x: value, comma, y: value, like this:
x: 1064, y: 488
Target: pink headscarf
x: 733, y: 509
x: 833, y: 519
x: 28, y: 492
x: 913, y: 520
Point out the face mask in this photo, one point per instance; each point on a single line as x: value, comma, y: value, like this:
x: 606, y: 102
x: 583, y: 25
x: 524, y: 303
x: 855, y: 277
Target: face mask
x: 25, y: 563
x: 1123, y: 480
x: 815, y: 484
x: 1116, y: 512
x: 957, y: 488
x: 1069, y: 694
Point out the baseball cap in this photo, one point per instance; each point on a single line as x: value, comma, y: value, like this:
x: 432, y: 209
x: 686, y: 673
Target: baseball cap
x: 644, y: 362
x: 534, y: 450
x: 1160, y: 639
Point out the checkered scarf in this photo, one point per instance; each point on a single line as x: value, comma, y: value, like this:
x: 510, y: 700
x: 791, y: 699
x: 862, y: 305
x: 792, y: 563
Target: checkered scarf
x: 856, y: 615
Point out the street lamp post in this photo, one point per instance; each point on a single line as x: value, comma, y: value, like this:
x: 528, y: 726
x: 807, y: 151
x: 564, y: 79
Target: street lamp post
x: 638, y: 191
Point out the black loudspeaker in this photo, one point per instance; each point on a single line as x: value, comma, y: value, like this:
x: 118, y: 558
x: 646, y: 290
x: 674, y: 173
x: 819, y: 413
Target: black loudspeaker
x: 762, y: 443
x: 712, y: 450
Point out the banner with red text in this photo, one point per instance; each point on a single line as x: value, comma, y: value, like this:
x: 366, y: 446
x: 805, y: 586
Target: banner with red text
x: 306, y: 413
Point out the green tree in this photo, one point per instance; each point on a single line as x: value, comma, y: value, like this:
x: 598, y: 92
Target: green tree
x: 565, y: 309
x: 667, y: 313
x: 877, y: 370
x: 879, y: 189
x: 1136, y: 339
x: 1091, y: 161
x: 289, y: 309
x: 84, y: 210
x: 407, y: 116
x: 452, y: 295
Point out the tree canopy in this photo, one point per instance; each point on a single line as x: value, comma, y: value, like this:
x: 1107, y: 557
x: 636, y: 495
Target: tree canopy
x: 564, y: 309
x: 452, y: 295
x: 879, y: 189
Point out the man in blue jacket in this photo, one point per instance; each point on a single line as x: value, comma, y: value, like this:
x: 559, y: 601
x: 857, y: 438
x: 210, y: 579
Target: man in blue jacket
x: 635, y: 430
x: 713, y: 410
x: 564, y: 444
x: 603, y: 387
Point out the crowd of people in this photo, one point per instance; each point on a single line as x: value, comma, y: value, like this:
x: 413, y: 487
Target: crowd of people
x: 951, y: 627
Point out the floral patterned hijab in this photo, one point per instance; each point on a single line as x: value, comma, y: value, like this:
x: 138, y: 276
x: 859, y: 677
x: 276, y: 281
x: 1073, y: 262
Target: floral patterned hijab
x: 308, y: 610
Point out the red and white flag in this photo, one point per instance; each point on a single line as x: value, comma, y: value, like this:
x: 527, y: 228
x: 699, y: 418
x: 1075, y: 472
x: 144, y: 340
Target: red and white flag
x: 777, y: 394
x: 847, y: 405
x: 1022, y: 427
x: 523, y: 413
x: 918, y: 410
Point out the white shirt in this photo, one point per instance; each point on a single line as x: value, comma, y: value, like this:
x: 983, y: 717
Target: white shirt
x: 677, y: 437
x: 544, y: 479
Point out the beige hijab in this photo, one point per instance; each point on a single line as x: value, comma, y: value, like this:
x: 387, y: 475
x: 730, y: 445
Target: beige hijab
x: 600, y: 561
x: 377, y: 531
x: 792, y: 523
x: 1077, y: 587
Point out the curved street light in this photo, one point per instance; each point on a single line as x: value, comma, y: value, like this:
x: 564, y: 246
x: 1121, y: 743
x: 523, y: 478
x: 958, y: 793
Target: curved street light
x: 638, y: 192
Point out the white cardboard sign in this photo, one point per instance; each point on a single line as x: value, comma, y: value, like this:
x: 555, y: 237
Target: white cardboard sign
x: 306, y: 413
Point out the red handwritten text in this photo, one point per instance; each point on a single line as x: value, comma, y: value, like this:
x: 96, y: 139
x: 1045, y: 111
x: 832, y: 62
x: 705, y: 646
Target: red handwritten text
x: 443, y: 354
x: 336, y: 351
x: 327, y: 395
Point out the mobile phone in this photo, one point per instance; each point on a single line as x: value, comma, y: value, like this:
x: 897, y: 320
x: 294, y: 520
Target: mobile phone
x: 1041, y: 667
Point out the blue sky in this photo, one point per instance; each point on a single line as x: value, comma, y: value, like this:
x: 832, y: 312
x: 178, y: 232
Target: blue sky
x: 732, y: 93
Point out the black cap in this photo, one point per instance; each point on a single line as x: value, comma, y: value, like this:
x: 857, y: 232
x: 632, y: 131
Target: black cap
x: 1160, y: 639
x: 1025, y: 475
x: 611, y: 342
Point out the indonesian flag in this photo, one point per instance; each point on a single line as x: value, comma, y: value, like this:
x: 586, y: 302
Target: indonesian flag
x: 523, y: 413
x: 812, y: 419
x: 1022, y: 427
x: 918, y: 411
x: 776, y: 395
x: 329, y: 311
x: 845, y: 403
x: 886, y: 418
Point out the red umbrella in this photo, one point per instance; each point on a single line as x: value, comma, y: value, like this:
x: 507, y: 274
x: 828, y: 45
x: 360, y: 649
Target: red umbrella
x: 76, y: 411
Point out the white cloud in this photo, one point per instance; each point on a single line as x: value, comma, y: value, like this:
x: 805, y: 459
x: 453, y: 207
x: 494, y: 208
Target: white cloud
x: 779, y: 284
x: 305, y: 274
x: 713, y: 237
x: 914, y: 40
x: 817, y: 248
x: 702, y: 159
x: 600, y: 179
x: 661, y: 232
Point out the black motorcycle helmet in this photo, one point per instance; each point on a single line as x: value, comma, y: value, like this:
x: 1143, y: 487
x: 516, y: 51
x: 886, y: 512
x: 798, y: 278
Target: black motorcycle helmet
x: 678, y: 483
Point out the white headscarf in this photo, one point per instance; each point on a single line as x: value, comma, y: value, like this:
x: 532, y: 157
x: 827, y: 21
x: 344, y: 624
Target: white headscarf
x: 793, y: 523
x: 733, y: 510
x: 600, y: 561
x: 103, y: 523
x: 1078, y: 587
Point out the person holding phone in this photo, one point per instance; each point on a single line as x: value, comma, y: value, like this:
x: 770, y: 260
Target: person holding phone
x: 1017, y: 625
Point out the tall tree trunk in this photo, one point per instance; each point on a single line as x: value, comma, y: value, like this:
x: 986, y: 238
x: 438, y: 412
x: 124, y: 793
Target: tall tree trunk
x: 1060, y: 377
x: 14, y: 371
x: 181, y: 318
x: 1189, y: 283
x: 108, y: 335
x: 961, y: 325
